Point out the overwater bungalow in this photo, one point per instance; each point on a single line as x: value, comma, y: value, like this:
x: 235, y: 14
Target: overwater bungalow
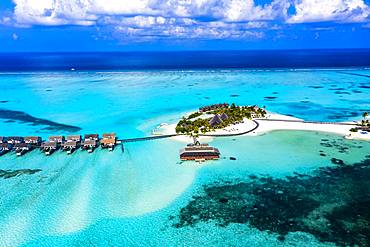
x: 108, y: 141
x: 91, y: 137
x: 57, y: 139
x: 15, y: 139
x: 3, y: 139
x: 89, y: 145
x: 4, y: 148
x: 76, y: 138
x: 70, y: 146
x: 199, y: 152
x: 34, y: 140
x: 49, y: 147
x: 22, y: 148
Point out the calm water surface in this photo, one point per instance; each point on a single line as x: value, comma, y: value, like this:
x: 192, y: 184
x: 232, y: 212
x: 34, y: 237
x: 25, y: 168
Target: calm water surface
x: 138, y: 196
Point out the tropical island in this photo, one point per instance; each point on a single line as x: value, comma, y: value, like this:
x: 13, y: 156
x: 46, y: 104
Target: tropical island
x: 233, y: 120
x: 217, y: 116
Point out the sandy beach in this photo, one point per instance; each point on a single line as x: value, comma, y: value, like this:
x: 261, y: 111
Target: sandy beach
x: 272, y: 122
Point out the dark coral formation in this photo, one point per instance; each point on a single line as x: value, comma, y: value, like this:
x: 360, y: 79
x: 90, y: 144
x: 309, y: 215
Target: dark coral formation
x: 13, y: 173
x: 333, y: 204
x: 340, y: 145
x: 10, y: 115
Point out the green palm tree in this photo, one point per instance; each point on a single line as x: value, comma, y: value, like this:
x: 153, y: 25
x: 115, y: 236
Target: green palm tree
x: 365, y: 115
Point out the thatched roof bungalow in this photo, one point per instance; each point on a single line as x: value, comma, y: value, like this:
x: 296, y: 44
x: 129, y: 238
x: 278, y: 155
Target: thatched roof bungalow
x: 73, y: 138
x: 49, y: 145
x: 15, y: 139
x: 70, y: 144
x: 57, y: 139
x: 91, y: 137
x: 224, y: 116
x: 109, y: 136
x: 216, y: 120
x: 32, y: 139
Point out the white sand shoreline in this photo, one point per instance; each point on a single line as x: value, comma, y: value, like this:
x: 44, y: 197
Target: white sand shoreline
x: 282, y: 122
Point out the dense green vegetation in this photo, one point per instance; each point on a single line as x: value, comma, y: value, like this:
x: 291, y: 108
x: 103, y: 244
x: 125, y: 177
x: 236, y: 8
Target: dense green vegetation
x: 195, y: 123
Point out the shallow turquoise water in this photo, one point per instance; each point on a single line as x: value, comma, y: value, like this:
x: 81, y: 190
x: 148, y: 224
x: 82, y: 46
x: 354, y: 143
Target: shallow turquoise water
x: 126, y: 198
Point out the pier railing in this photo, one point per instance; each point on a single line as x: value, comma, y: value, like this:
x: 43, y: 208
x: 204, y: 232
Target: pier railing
x: 147, y: 138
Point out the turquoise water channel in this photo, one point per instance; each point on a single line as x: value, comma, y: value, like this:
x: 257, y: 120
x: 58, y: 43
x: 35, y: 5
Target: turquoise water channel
x: 142, y: 195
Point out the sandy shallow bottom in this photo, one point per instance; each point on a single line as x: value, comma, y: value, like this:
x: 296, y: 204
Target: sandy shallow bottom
x: 144, y: 196
x: 127, y: 198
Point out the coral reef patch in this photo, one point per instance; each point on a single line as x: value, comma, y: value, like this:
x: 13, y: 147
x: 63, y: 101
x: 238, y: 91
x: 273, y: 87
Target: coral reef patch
x: 332, y: 204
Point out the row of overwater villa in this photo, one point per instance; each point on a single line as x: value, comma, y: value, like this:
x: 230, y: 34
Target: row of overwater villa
x: 71, y: 143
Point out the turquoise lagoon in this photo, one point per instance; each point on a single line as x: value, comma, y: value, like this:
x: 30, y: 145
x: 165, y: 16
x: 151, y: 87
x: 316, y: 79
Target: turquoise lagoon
x: 134, y: 196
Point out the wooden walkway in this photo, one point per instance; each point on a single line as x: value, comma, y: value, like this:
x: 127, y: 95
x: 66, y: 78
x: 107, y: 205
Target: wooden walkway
x: 147, y: 138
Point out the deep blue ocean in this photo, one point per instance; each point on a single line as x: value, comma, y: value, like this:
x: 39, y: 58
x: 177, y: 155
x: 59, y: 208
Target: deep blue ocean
x: 184, y: 60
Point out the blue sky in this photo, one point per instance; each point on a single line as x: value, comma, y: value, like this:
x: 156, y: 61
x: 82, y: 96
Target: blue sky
x: 132, y: 25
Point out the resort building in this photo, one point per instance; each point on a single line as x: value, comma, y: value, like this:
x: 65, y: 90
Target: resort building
x: 216, y: 120
x: 213, y: 107
x: 22, y: 148
x: 108, y: 141
x: 15, y: 139
x: 32, y: 140
x: 57, y: 139
x: 199, y: 152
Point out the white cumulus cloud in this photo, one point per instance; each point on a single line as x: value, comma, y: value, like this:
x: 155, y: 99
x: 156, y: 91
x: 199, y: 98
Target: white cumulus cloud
x: 148, y: 19
x: 330, y: 10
